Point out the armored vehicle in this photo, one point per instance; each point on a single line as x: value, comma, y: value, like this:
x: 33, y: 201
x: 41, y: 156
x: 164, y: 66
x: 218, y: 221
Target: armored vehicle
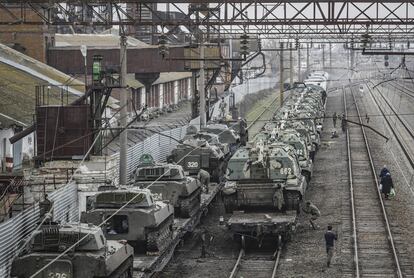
x: 227, y: 136
x: 169, y: 182
x: 195, y: 154
x: 264, y: 177
x: 212, y: 139
x: 146, y: 224
x: 93, y: 256
x: 296, y: 140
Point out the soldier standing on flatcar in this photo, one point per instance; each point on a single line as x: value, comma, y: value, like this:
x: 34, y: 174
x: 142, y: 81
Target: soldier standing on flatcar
x: 222, y: 107
x: 204, y: 177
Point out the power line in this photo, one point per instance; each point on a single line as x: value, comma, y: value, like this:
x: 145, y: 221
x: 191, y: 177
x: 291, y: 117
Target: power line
x: 115, y: 213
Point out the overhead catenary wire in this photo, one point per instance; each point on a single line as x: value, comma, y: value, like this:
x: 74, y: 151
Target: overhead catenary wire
x: 70, y: 180
x: 111, y: 216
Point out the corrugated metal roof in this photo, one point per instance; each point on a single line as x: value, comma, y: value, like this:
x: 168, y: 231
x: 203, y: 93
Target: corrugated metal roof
x: 19, y: 75
x: 172, y: 76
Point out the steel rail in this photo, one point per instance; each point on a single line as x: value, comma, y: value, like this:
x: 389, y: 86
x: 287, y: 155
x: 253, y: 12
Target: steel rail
x: 351, y: 188
x: 261, y: 113
x: 403, y: 146
x: 264, y: 110
x: 402, y: 89
x: 383, y: 210
x: 237, y: 264
x: 277, y: 261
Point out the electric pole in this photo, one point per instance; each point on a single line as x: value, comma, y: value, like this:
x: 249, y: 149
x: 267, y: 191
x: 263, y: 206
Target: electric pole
x: 299, y: 64
x: 281, y: 74
x: 323, y: 56
x: 202, y: 87
x: 290, y: 65
x: 123, y: 113
x: 307, y: 57
x: 330, y: 55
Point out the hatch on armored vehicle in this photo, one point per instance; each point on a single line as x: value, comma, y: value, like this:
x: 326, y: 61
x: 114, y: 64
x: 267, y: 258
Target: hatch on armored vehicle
x: 92, y: 256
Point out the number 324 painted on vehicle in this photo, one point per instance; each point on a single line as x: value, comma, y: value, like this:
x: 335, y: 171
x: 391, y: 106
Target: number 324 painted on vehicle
x: 192, y: 164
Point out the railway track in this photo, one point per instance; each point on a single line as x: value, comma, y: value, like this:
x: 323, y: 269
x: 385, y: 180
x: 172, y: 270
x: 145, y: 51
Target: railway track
x: 258, y: 264
x: 400, y: 128
x: 402, y: 89
x: 374, y: 250
x: 266, y: 114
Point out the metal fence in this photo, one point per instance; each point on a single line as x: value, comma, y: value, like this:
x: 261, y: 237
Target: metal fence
x: 14, y: 230
x: 66, y: 201
x: 158, y: 145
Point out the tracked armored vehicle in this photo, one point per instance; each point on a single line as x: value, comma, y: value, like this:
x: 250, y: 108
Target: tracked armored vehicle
x: 170, y: 183
x: 212, y: 139
x: 297, y: 141
x: 195, y: 154
x: 146, y: 224
x: 93, y: 256
x: 264, y: 177
x: 227, y: 136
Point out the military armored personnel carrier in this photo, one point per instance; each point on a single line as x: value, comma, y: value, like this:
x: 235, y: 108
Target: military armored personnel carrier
x: 296, y: 140
x: 195, y: 154
x: 227, y: 136
x: 94, y: 256
x: 170, y: 183
x: 212, y: 139
x: 264, y: 177
x: 146, y: 224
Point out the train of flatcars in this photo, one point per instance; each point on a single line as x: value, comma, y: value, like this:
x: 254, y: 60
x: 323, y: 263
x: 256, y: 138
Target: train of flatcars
x: 262, y: 185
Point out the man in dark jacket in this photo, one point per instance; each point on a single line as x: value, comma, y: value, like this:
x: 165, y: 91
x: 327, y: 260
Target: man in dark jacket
x: 384, y: 171
x: 330, y: 238
x: 387, y: 184
x: 334, y: 117
x: 343, y: 123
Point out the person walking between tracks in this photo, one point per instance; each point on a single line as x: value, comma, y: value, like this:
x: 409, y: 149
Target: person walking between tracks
x: 330, y: 237
x: 204, y: 177
x: 343, y: 123
x: 334, y: 118
x: 314, y: 212
x: 387, y: 185
x: 383, y: 172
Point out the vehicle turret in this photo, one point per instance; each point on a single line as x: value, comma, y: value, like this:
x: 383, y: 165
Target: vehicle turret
x: 169, y: 182
x: 92, y: 256
x: 144, y: 222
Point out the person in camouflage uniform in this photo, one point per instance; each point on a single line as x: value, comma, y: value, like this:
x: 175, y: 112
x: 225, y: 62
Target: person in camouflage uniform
x: 314, y: 213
